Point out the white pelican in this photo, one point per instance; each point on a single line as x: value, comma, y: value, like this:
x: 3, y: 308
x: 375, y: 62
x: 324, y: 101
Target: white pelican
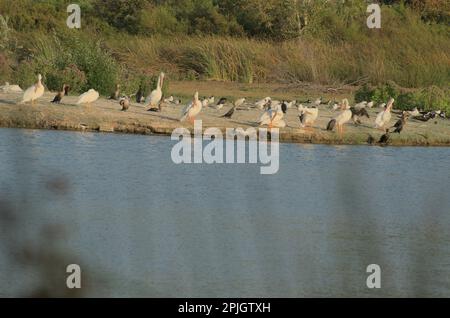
x: 308, y: 116
x: 370, y: 105
x: 155, y: 96
x: 261, y: 104
x: 34, y: 92
x: 273, y: 117
x: 192, y: 110
x: 89, y: 97
x: 384, y: 117
x: 342, y: 118
x: 7, y: 88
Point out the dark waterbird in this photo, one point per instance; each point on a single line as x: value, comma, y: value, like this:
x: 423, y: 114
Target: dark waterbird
x: 59, y: 96
x: 384, y: 140
x: 357, y: 114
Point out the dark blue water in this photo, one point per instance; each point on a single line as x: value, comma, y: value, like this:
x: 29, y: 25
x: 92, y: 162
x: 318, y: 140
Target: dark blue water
x: 140, y: 225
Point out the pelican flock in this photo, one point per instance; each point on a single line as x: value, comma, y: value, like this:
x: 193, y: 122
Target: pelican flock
x: 274, y: 112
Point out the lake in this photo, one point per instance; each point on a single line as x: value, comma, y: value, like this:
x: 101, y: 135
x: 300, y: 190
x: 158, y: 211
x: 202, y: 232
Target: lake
x: 140, y: 225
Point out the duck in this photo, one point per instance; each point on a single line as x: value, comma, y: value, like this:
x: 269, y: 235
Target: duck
x: 192, y: 110
x: 88, y: 97
x: 154, y: 99
x: 115, y: 95
x: 308, y: 116
x: 384, y: 117
x: 34, y: 92
x: 61, y: 94
x: 125, y: 103
x: 340, y: 120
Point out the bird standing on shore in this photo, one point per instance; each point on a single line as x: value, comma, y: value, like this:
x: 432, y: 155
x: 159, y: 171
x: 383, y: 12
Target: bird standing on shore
x: 237, y: 104
x: 308, y: 116
x: 61, y: 94
x: 384, y: 140
x: 261, y: 104
x: 400, y: 124
x: 89, y: 97
x: 357, y: 114
x: 125, y: 103
x: 192, y: 110
x: 340, y: 120
x: 221, y: 103
x: 273, y: 117
x: 384, y: 117
x: 154, y: 99
x: 33, y: 92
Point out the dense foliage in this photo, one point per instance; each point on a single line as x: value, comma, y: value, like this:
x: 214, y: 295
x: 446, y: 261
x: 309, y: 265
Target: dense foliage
x: 324, y: 41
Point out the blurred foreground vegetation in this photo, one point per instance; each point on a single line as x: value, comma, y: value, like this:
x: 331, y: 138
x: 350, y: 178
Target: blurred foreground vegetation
x: 288, y: 41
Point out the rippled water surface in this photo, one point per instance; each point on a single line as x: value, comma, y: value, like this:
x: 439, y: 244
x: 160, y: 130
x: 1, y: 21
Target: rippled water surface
x: 139, y: 225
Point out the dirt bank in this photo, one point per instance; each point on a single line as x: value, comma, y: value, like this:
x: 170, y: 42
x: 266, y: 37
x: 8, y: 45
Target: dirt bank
x: 105, y: 116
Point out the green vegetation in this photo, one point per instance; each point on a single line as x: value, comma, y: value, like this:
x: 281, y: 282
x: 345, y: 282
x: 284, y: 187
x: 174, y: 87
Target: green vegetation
x: 289, y: 41
x: 430, y: 98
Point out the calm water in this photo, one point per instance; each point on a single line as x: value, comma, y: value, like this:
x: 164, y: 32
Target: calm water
x: 140, y: 225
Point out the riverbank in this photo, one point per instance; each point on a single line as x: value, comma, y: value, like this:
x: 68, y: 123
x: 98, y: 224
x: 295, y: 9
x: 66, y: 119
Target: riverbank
x: 105, y: 116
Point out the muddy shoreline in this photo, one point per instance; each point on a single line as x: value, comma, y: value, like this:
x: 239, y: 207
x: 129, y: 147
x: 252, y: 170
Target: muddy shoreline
x: 105, y: 116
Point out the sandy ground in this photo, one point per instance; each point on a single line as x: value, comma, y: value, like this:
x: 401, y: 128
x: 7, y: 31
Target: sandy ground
x: 105, y: 115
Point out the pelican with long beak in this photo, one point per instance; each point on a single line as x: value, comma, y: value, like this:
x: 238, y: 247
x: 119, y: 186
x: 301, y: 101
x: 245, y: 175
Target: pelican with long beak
x: 340, y: 120
x: 154, y: 99
x: 33, y: 92
x: 192, y: 110
x: 384, y: 117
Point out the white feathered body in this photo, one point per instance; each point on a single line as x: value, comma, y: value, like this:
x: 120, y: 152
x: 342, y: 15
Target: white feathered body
x: 310, y: 115
x: 193, y: 109
x: 383, y: 118
x: 89, y: 97
x: 156, y: 95
x: 34, y: 92
x: 344, y: 117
